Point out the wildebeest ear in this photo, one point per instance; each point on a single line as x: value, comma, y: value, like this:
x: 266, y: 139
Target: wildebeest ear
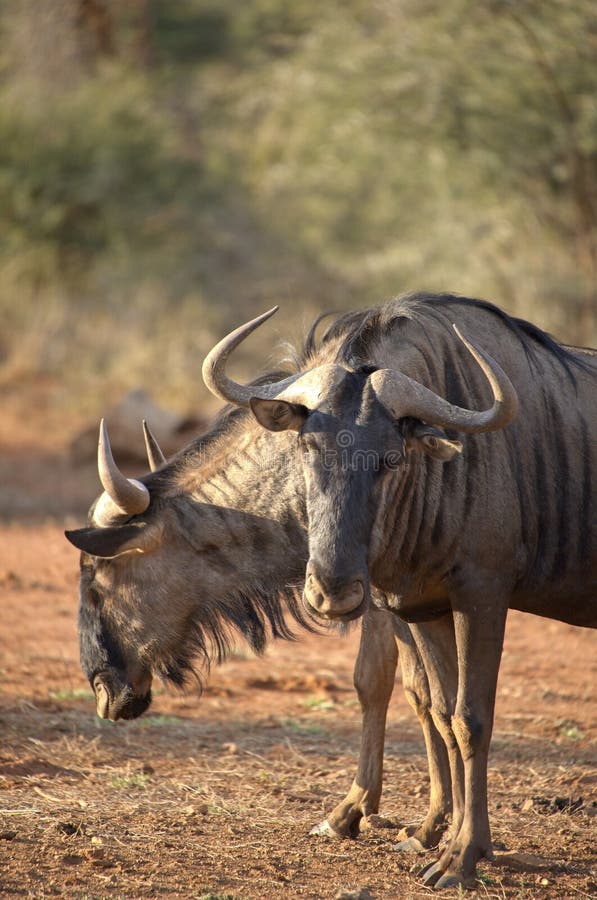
x: 279, y: 415
x: 114, y: 539
x: 430, y: 440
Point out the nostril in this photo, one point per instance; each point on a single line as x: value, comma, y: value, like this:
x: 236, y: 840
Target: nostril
x: 102, y: 700
x: 319, y: 600
x: 313, y: 594
x: 315, y: 598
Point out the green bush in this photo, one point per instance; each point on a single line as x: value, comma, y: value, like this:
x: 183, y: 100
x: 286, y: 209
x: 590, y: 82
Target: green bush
x: 91, y: 173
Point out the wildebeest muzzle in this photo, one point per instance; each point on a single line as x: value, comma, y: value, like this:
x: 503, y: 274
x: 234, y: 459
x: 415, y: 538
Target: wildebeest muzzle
x: 118, y: 699
x: 335, y: 597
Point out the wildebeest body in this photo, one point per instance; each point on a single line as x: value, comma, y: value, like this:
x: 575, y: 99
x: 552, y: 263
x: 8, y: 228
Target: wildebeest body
x: 507, y: 523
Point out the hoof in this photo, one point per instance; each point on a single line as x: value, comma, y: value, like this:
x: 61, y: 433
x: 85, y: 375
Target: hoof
x: 410, y: 845
x: 451, y: 879
x: 447, y: 880
x: 324, y: 829
x: 432, y: 874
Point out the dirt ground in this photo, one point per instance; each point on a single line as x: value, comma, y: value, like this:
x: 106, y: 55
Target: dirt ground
x: 213, y: 797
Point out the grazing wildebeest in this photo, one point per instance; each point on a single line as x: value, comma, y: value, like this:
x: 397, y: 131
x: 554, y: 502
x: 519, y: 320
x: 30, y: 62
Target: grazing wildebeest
x: 211, y: 544
x: 508, y: 522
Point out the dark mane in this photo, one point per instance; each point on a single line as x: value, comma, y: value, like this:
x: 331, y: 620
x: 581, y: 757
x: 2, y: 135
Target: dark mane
x: 357, y: 332
x: 256, y: 615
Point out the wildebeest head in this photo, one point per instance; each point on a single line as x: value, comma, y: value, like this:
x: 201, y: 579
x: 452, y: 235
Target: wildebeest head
x: 119, y: 531
x: 355, y: 427
x: 168, y: 577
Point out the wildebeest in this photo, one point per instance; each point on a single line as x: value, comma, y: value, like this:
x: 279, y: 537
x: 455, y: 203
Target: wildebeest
x: 508, y: 522
x: 214, y: 544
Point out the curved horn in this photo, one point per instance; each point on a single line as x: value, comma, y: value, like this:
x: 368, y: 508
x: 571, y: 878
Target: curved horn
x: 214, y: 368
x: 155, y: 457
x: 129, y: 496
x: 402, y: 396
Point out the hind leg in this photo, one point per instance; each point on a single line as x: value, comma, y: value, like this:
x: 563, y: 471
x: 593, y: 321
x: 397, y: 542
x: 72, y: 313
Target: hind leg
x: 420, y: 697
x: 479, y: 630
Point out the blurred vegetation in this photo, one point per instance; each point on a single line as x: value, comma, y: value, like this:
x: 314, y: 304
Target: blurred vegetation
x: 168, y: 170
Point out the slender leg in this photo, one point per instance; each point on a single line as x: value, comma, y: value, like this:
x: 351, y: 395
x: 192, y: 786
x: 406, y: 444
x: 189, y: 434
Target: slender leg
x: 436, y: 646
x: 374, y: 674
x: 479, y: 630
x: 416, y: 687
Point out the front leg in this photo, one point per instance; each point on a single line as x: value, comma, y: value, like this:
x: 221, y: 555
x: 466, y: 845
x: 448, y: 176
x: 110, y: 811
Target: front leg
x: 374, y: 674
x: 479, y: 630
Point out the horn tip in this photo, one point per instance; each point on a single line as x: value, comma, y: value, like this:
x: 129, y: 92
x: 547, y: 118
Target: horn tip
x: 267, y: 315
x: 103, y: 433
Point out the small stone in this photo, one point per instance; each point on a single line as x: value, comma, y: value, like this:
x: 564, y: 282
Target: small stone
x: 375, y: 822
x: 230, y: 748
x: 359, y: 894
x: 528, y: 804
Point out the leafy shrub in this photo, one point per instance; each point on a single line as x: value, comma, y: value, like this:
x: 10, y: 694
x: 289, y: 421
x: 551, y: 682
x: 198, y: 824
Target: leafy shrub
x: 92, y: 172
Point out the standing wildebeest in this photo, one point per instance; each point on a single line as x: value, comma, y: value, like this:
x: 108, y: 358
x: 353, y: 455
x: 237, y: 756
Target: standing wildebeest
x: 509, y: 522
x: 214, y: 543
